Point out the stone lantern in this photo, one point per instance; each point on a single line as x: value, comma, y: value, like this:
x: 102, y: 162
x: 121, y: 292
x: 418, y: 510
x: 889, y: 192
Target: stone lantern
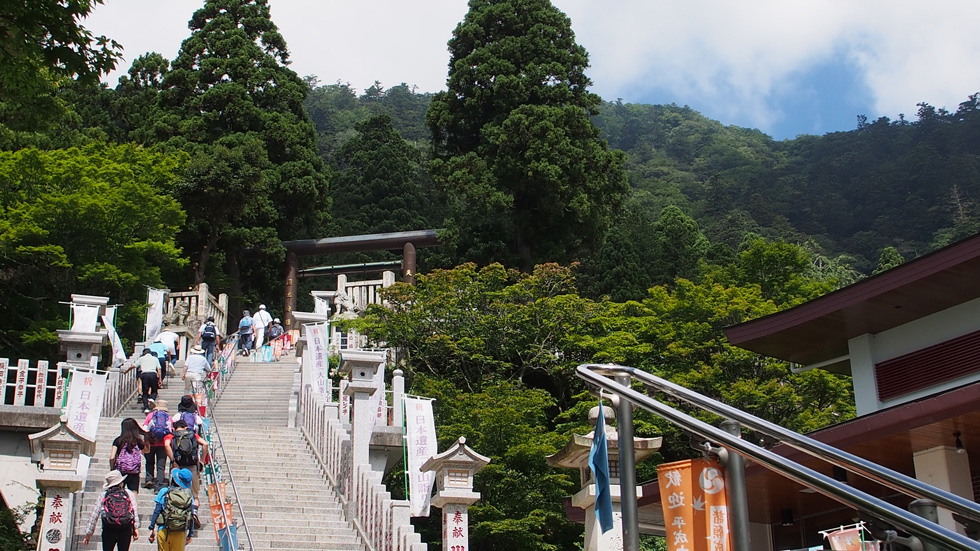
x: 575, y: 455
x: 359, y: 367
x: 454, y: 470
x: 58, y: 451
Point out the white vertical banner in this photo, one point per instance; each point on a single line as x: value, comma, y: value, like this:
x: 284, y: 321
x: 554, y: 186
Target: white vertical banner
x: 84, y: 317
x: 420, y: 432
x: 40, y: 382
x: 317, y: 335
x: 108, y: 320
x: 56, y: 522
x: 344, y: 401
x: 154, y: 314
x: 85, y: 396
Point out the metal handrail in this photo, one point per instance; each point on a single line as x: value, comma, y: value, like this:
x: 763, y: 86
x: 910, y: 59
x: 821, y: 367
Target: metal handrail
x: 858, y: 465
x: 231, y: 478
x: 214, y: 424
x: 919, y: 526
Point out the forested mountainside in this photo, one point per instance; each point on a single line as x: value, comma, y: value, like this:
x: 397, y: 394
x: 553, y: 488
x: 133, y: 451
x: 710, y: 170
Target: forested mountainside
x: 909, y: 184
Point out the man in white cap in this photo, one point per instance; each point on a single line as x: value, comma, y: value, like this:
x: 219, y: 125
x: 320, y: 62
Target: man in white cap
x: 260, y: 321
x: 196, y: 368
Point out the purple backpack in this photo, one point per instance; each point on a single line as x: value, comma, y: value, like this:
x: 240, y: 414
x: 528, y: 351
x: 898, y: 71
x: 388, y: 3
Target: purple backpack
x: 128, y: 461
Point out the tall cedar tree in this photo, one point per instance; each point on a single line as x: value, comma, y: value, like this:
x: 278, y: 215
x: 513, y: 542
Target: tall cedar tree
x: 517, y: 156
x: 255, y: 176
x: 380, y: 184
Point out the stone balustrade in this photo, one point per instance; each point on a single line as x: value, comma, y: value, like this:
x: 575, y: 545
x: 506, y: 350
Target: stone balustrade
x: 383, y: 522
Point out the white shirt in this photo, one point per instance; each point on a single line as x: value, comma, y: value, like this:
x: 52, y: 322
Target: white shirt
x: 261, y: 318
x: 169, y: 339
x: 197, y: 364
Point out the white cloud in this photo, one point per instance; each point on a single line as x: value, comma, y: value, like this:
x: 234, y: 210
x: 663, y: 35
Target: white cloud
x: 734, y: 56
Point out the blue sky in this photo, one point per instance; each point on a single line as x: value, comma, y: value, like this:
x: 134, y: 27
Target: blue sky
x: 786, y: 67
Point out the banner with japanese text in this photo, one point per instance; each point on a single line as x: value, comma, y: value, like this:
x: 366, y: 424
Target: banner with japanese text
x: 420, y: 430
x: 86, y: 391
x: 317, y: 335
x: 692, y: 493
x: 377, y: 400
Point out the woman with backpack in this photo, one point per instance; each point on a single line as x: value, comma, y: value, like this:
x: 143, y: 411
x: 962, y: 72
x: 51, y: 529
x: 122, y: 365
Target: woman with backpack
x: 127, y: 452
x: 158, y: 426
x: 117, y: 509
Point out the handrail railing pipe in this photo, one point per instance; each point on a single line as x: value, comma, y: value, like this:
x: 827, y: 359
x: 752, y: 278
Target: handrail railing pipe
x: 231, y: 478
x: 597, y: 375
x: 835, y: 456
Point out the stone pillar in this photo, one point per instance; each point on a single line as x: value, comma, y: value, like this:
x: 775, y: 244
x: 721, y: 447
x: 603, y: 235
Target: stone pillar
x: 454, y: 470
x: 359, y: 367
x: 397, y: 392
x: 575, y: 455
x: 945, y: 468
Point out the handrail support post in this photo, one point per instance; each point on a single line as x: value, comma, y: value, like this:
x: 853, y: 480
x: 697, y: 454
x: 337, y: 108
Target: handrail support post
x: 738, y: 503
x: 627, y: 470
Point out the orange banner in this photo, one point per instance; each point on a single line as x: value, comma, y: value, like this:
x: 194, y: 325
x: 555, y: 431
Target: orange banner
x: 692, y: 493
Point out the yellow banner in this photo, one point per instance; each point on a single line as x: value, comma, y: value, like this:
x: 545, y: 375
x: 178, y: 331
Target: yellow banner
x: 692, y: 493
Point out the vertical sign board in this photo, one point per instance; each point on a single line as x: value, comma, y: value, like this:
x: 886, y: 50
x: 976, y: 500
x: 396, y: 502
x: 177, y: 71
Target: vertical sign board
x: 54, y: 535
x: 344, y: 401
x: 4, y: 362
x: 59, y: 387
x: 21, y: 388
x: 85, y: 397
x: 455, y: 527
x: 420, y: 430
x: 316, y: 336
x: 692, y: 493
x: 377, y: 401
x: 40, y: 382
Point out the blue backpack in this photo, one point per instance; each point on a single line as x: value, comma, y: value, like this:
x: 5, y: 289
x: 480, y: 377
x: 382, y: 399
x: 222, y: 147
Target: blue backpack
x: 160, y: 425
x: 209, y: 333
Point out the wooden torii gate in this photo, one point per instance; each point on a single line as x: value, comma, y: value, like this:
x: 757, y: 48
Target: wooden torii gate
x: 406, y: 241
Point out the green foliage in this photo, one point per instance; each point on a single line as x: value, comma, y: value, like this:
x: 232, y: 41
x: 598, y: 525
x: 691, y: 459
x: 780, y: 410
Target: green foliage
x: 11, y: 538
x: 890, y: 258
x: 97, y: 220
x: 475, y: 327
x: 42, y: 45
x: 381, y: 185
x: 520, y: 505
x: 255, y: 177
x: 521, y: 163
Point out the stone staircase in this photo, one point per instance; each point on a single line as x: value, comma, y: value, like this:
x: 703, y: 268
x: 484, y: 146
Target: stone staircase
x: 287, y: 501
x: 108, y: 430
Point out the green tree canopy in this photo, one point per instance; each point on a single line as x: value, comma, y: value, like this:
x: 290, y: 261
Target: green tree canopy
x: 527, y: 178
x: 380, y: 184
x: 97, y: 220
x: 230, y: 101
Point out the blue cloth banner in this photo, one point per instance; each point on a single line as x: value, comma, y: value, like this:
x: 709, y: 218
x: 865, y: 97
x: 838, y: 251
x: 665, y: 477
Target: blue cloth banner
x: 599, y: 463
